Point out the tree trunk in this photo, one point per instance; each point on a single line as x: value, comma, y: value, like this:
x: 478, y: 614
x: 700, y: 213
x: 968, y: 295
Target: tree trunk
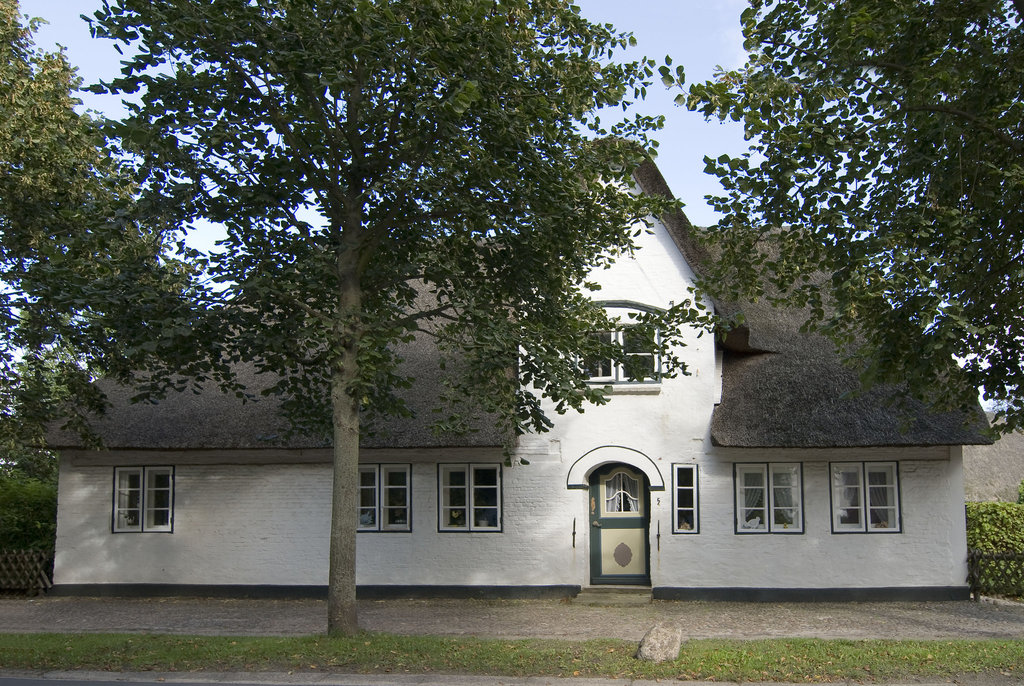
x: 341, y: 584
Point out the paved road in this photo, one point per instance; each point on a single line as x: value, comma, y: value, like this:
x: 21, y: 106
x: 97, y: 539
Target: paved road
x: 520, y: 618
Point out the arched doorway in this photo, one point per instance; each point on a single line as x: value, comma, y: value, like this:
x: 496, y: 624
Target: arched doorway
x: 620, y: 517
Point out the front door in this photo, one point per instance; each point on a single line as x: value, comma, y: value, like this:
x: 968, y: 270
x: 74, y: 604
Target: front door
x: 619, y: 525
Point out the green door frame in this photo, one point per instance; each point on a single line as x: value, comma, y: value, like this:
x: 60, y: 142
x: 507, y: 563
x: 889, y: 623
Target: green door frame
x: 599, y: 523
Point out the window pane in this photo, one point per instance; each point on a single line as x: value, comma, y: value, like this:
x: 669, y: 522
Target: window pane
x: 396, y: 498
x: 638, y: 345
x: 883, y: 518
x: 455, y: 497
x: 128, y: 514
x: 367, y: 510
x: 368, y: 517
x: 157, y: 498
x: 880, y: 496
x: 786, y: 498
x: 751, y: 498
x: 395, y: 513
x: 487, y: 476
x: 684, y: 476
x: 847, y: 497
x: 598, y: 367
x: 455, y: 519
x: 685, y: 520
x: 157, y: 518
x: 686, y: 498
x: 883, y: 511
x: 454, y: 513
x: 127, y: 519
x: 843, y: 475
x: 397, y: 517
x: 486, y: 518
x: 485, y: 498
x: 639, y: 367
x: 849, y: 515
x: 622, y: 494
x: 785, y: 518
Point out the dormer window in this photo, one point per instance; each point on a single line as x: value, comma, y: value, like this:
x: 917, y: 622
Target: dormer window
x: 641, y: 364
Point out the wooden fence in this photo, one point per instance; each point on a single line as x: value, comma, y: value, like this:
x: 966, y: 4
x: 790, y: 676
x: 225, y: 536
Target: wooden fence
x: 27, y: 572
x: 995, y: 573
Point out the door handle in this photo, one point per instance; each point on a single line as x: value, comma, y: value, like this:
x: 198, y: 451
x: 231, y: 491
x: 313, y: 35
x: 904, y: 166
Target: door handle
x: 597, y: 524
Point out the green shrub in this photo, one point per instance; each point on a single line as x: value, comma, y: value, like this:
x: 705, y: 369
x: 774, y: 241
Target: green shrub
x: 1020, y: 492
x: 995, y: 527
x: 28, y: 513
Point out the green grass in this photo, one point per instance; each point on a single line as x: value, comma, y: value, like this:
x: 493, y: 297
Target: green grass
x: 769, y: 660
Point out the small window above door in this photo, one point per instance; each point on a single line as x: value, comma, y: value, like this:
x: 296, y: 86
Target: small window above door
x: 621, y: 495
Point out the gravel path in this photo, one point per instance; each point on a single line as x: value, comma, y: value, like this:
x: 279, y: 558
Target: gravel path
x: 520, y: 618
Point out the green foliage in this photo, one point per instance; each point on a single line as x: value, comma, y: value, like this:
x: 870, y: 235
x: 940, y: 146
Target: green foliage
x: 1020, y: 492
x: 28, y: 513
x: 73, y: 263
x: 887, y: 154
x: 18, y: 461
x: 995, y: 526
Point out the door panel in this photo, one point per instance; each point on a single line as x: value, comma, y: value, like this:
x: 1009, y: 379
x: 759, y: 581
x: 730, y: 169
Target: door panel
x: 619, y: 526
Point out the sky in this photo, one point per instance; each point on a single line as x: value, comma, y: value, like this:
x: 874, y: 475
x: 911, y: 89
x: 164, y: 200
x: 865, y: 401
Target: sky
x: 700, y: 35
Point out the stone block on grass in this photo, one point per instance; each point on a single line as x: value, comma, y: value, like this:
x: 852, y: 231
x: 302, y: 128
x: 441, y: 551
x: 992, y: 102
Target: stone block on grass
x: 661, y: 643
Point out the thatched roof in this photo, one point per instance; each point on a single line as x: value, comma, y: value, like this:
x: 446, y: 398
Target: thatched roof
x: 784, y: 388
x: 215, y: 420
x: 995, y: 472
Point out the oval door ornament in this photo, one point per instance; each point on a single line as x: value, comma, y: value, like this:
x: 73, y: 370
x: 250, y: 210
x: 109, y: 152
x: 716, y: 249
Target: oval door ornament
x: 593, y: 506
x: 623, y: 555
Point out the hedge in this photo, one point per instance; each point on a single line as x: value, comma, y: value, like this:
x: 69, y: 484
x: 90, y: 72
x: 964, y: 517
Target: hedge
x: 28, y: 514
x: 995, y: 527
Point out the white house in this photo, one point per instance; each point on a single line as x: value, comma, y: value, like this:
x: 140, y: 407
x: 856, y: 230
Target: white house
x: 754, y: 477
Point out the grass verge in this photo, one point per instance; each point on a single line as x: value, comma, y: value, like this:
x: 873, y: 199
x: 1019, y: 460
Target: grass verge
x: 810, y: 660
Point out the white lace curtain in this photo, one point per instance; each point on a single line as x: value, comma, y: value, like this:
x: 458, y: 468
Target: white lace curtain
x: 622, y: 494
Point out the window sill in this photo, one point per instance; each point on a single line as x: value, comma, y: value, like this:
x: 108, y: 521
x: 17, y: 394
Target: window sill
x: 633, y: 388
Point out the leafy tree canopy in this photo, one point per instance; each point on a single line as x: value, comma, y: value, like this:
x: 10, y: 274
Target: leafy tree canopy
x: 71, y: 261
x: 387, y: 169
x: 887, y: 152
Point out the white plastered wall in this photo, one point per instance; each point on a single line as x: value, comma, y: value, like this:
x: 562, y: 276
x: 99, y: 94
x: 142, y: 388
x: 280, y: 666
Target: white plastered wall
x: 664, y: 423
x: 233, y: 524
x: 930, y: 551
x: 268, y: 524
